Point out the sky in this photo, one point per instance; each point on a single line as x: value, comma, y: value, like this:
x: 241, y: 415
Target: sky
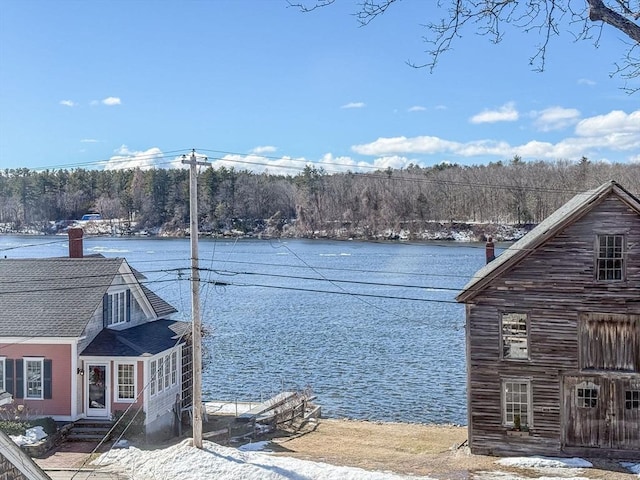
x: 262, y: 86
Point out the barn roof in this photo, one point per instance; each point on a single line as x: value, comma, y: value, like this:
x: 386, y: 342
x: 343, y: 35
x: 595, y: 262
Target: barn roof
x: 571, y: 211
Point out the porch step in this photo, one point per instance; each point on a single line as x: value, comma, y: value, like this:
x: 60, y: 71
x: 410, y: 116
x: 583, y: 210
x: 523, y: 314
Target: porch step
x: 89, y: 431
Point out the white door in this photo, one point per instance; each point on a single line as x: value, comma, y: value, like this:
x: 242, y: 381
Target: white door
x: 97, y: 389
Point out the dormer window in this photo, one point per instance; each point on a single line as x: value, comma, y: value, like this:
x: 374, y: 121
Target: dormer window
x: 117, y: 308
x: 610, y: 258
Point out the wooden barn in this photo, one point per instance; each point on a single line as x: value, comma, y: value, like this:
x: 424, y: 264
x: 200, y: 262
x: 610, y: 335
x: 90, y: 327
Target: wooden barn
x: 553, y: 335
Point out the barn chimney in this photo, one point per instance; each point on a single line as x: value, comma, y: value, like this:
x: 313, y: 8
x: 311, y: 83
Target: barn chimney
x: 491, y: 250
x: 75, y: 243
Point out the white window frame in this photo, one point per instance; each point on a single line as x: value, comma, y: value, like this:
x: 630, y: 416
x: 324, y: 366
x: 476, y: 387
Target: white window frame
x: 153, y: 380
x: 3, y: 374
x: 613, y: 260
x: 174, y: 368
x: 26, y: 362
x: 508, y: 415
x: 134, y: 383
x: 167, y: 371
x: 160, y: 374
x: 513, y: 340
x: 117, y: 308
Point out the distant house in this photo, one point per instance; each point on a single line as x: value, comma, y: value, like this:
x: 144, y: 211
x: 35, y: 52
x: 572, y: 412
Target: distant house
x: 83, y: 338
x: 553, y: 335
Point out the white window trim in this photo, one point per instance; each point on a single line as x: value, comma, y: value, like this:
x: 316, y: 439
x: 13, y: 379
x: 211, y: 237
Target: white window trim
x: 114, y: 317
x: 503, y: 402
x: 25, y: 362
x: 174, y: 367
x: 117, y: 382
x: 153, y: 381
x: 166, y: 378
x: 3, y: 376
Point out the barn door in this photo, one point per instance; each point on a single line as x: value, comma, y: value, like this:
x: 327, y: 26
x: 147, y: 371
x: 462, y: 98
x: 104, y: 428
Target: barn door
x: 625, y: 412
x: 586, y: 418
x: 602, y: 412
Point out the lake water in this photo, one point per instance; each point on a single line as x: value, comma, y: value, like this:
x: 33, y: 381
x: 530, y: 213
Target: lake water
x: 372, y: 328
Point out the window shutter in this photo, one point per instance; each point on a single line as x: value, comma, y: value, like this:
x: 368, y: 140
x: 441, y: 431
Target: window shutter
x: 9, y: 379
x: 105, y: 301
x: 128, y: 305
x: 47, y: 379
x: 19, y: 373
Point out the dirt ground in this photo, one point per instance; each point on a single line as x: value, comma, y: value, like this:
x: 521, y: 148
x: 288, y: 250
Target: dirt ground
x: 429, y: 450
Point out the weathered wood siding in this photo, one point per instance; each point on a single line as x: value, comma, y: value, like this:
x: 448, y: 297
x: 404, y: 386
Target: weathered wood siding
x: 555, y: 285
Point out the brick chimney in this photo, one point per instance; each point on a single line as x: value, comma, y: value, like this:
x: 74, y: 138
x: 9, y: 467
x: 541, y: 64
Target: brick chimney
x: 491, y: 250
x: 75, y: 243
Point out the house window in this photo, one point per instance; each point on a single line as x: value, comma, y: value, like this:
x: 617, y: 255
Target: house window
x: 587, y: 397
x: 117, y: 308
x: 632, y: 399
x: 126, y: 382
x: 153, y: 371
x: 167, y: 371
x: 515, y: 338
x: 33, y: 373
x: 516, y: 401
x: 610, y: 260
x: 2, y: 375
x: 160, y: 374
x: 174, y: 368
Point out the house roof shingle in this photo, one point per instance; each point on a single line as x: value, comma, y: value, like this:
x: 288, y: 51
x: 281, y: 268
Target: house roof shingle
x: 571, y: 211
x: 42, y: 297
x: 46, y: 297
x: 146, y: 339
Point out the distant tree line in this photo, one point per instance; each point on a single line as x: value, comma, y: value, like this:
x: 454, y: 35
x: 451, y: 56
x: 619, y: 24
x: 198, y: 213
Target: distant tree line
x: 310, y: 203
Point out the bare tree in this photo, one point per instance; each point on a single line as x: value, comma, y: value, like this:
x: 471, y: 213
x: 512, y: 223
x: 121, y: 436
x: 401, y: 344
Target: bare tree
x: 585, y: 19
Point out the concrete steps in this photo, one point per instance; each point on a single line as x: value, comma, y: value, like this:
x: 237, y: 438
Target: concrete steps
x: 89, y: 431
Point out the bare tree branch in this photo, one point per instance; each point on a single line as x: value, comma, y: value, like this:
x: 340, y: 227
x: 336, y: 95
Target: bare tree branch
x: 487, y: 17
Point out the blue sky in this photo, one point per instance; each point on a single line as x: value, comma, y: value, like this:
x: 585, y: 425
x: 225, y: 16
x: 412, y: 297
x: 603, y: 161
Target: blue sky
x: 254, y: 84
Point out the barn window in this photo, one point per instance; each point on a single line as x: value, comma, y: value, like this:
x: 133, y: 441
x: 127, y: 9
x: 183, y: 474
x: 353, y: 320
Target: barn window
x: 587, y: 397
x: 515, y: 337
x: 610, y: 260
x: 632, y: 399
x: 516, y: 401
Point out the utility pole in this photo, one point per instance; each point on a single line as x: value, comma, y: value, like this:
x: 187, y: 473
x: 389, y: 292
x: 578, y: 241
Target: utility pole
x: 196, y: 397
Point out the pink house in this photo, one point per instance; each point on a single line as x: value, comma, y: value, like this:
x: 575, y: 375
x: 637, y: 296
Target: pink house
x: 82, y: 337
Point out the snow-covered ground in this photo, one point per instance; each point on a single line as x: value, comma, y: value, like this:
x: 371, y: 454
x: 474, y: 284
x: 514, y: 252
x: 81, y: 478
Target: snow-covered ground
x: 248, y: 463
x: 217, y: 462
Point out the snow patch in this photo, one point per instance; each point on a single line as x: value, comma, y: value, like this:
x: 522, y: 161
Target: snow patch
x: 32, y: 435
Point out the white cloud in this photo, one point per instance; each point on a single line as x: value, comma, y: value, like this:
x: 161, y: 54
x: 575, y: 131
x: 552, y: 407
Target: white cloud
x: 506, y: 113
x: 353, y: 105
x: 416, y: 108
x: 125, y: 159
x: 634, y: 158
x: 111, y: 101
x: 395, y: 145
x: 586, y: 81
x: 68, y: 103
x: 555, y: 118
x: 264, y: 149
x: 614, y: 122
x: 596, y: 138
